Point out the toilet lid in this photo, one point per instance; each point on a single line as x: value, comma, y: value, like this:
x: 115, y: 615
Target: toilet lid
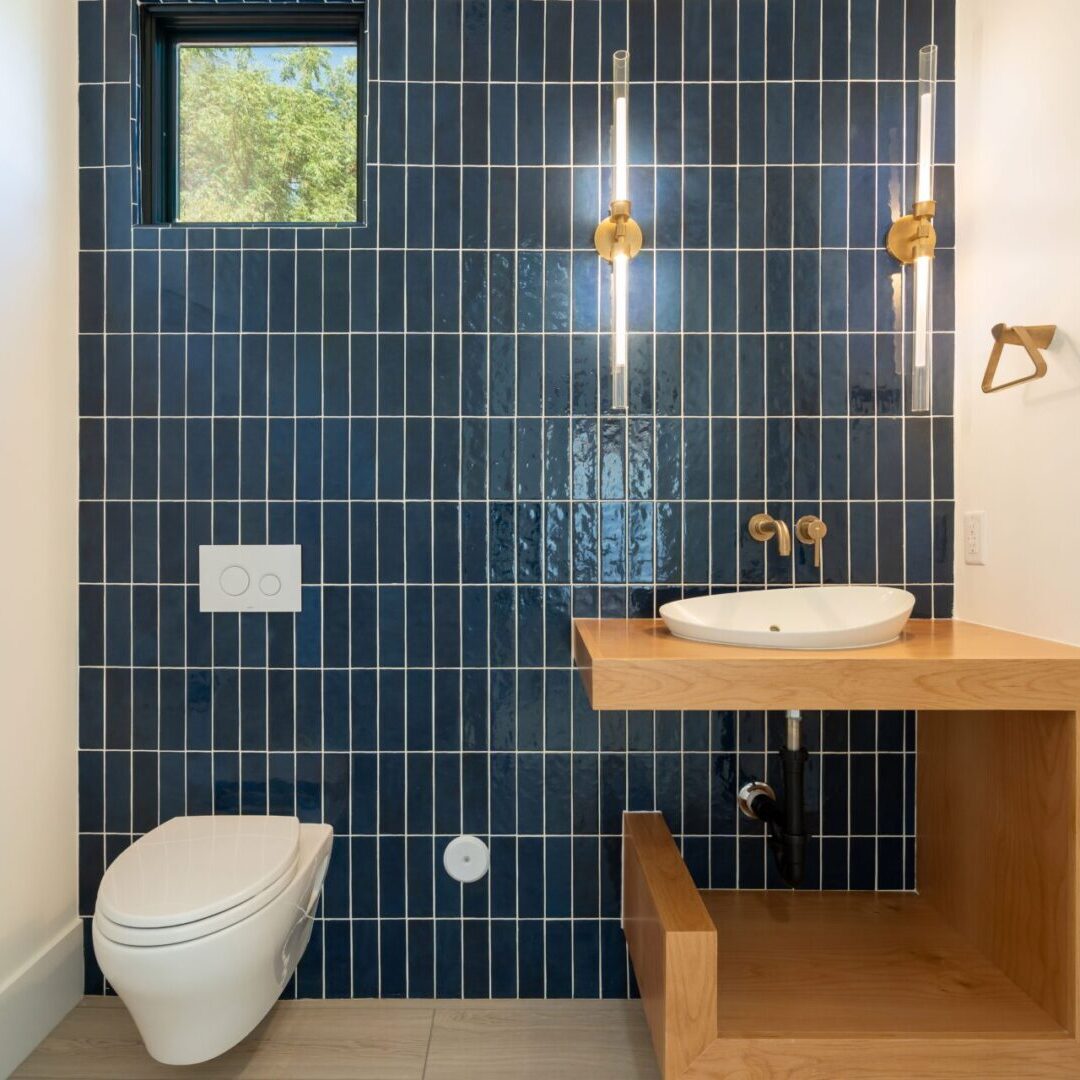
x: 193, y: 867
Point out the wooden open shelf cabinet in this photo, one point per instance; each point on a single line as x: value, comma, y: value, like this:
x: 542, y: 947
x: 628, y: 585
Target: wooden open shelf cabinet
x: 975, y: 975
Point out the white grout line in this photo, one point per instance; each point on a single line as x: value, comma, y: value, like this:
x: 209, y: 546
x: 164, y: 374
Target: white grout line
x: 573, y: 343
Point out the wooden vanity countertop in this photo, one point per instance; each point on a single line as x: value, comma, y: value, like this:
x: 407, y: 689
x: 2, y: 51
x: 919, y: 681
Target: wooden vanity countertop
x: 934, y: 664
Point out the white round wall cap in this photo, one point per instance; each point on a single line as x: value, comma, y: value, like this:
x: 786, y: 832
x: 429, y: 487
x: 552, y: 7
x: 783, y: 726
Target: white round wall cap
x: 466, y: 858
x: 234, y: 581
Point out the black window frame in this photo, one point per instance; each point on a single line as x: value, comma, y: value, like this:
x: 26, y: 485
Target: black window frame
x: 163, y: 26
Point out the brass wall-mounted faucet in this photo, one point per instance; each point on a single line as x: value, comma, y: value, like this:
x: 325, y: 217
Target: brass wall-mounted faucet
x: 764, y: 527
x: 811, y: 530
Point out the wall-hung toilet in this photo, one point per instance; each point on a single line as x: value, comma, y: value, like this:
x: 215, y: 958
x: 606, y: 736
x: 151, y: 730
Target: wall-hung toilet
x: 201, y: 922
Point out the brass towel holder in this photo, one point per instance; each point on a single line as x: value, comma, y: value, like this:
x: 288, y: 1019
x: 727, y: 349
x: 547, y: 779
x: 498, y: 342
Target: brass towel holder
x: 1033, y: 339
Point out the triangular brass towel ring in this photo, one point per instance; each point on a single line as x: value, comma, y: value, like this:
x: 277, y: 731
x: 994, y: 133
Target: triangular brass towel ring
x: 1033, y: 338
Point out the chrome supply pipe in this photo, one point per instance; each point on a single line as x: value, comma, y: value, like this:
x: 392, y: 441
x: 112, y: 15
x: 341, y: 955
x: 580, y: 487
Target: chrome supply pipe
x: 794, y: 729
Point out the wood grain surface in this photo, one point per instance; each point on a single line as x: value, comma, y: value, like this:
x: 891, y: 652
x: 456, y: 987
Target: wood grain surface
x: 313, y: 1040
x: 893, y: 1059
x: 672, y: 942
x: 997, y: 850
x: 935, y: 664
x: 373, y: 1040
x: 858, y: 964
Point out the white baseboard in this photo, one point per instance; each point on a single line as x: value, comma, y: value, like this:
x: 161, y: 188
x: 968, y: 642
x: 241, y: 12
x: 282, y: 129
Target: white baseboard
x: 36, y: 998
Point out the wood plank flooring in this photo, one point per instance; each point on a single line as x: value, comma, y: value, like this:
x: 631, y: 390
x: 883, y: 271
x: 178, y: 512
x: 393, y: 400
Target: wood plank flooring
x: 373, y: 1040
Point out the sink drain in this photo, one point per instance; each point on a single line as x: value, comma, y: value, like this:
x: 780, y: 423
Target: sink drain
x: 775, y: 629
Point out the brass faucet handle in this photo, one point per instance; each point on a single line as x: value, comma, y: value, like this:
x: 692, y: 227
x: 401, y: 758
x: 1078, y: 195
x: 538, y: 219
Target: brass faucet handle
x: 811, y: 530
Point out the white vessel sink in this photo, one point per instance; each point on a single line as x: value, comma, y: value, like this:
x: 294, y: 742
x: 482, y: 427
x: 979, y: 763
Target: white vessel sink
x: 818, y: 617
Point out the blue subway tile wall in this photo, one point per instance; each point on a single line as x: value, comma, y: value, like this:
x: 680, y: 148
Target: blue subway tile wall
x: 422, y: 403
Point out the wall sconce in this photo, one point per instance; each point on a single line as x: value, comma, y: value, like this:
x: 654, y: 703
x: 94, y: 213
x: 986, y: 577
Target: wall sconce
x: 618, y: 237
x: 912, y: 239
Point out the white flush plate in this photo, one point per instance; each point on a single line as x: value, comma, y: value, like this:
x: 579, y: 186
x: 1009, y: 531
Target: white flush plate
x: 249, y: 577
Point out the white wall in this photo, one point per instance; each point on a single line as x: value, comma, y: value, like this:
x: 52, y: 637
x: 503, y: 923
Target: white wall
x: 40, y: 941
x: 1018, y: 252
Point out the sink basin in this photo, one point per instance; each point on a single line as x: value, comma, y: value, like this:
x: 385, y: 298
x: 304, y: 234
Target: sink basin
x: 818, y: 617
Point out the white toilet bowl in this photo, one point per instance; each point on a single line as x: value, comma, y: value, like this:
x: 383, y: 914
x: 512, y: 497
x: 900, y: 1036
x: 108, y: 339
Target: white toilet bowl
x: 201, y: 922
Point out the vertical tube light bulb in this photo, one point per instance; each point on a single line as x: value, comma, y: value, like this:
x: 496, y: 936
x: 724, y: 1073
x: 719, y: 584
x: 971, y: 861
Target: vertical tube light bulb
x: 620, y: 192
x: 924, y: 263
x: 924, y: 186
x: 620, y: 126
x: 620, y: 270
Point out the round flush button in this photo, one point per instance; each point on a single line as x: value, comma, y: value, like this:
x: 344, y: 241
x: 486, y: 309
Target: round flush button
x: 466, y: 858
x: 234, y: 580
x: 270, y: 584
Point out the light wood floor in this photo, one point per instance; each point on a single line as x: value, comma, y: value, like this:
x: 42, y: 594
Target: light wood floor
x: 374, y: 1040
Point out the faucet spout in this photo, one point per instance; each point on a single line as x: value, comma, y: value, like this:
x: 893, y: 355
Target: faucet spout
x: 764, y: 527
x: 783, y: 538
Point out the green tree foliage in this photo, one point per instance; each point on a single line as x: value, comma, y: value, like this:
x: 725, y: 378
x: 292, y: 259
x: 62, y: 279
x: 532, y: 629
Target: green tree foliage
x: 267, y: 134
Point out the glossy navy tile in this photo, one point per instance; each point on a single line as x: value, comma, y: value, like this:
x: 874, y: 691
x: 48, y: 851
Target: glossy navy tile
x: 460, y: 487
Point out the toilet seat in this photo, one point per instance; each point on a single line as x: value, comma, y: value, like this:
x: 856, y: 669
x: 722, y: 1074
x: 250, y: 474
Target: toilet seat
x: 194, y: 876
x: 198, y: 928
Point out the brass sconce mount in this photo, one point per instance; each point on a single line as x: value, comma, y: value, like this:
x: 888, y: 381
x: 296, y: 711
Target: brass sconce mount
x: 913, y: 235
x: 618, y: 234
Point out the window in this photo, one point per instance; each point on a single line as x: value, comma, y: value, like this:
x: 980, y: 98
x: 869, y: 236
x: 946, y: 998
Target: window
x: 252, y: 113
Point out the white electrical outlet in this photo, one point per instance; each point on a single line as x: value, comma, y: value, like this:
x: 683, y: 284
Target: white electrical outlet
x: 249, y: 577
x: 975, y: 538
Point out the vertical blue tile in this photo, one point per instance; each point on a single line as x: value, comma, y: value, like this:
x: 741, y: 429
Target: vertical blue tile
x: 250, y: 323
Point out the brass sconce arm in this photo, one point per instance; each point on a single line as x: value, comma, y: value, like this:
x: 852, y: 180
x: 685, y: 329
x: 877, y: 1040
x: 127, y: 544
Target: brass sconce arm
x: 913, y: 236
x: 618, y: 234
